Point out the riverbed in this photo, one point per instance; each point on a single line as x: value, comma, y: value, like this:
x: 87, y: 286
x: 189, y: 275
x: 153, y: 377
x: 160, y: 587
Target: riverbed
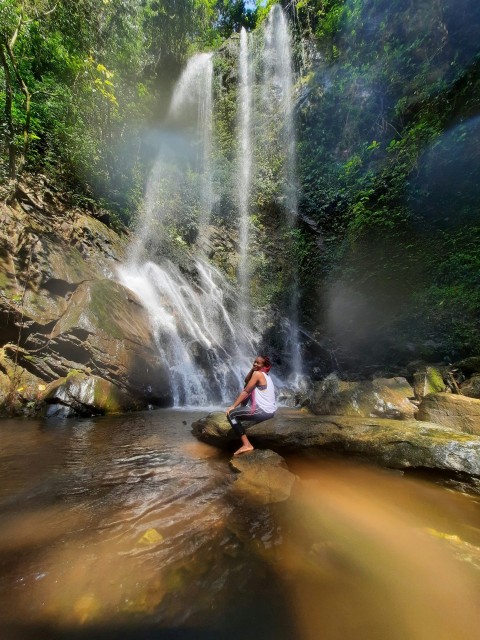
x: 127, y: 527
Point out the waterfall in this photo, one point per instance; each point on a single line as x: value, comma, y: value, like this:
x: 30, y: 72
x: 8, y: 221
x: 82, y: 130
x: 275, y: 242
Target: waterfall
x: 204, y: 327
x: 278, y: 103
x: 244, y: 168
x: 193, y: 330
x: 207, y: 348
x: 193, y: 96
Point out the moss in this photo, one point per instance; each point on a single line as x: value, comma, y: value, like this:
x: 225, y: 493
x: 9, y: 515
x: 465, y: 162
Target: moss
x: 434, y: 380
x: 74, y: 373
x: 107, y: 396
x: 107, y: 304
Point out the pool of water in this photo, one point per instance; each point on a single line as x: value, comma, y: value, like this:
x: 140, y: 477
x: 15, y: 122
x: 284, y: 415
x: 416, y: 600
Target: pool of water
x: 127, y: 527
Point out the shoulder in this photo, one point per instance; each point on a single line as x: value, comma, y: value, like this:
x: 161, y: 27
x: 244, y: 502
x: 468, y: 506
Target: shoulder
x: 259, y: 377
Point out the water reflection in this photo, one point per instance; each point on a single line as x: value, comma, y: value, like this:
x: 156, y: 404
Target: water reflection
x: 370, y: 561
x: 127, y: 525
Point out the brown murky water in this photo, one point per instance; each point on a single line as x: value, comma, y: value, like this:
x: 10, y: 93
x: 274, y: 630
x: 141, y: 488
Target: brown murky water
x: 125, y: 527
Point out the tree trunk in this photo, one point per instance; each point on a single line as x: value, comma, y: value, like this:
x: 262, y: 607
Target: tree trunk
x: 12, y: 156
x: 28, y: 97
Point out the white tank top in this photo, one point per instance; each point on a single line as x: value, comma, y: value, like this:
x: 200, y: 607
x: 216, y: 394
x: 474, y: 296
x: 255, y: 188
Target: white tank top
x: 264, y: 399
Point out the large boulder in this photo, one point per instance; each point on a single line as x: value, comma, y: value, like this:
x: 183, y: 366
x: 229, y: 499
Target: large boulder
x: 263, y: 477
x: 382, y: 397
x: 397, y: 444
x: 451, y: 410
x: 80, y: 394
x: 104, y: 334
x: 62, y: 311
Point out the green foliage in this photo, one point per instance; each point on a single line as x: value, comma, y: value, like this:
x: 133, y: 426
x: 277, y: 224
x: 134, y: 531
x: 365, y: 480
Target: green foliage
x: 99, y: 75
x: 386, y: 146
x: 388, y: 164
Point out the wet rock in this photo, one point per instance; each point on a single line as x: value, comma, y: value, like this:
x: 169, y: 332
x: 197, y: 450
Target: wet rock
x: 454, y: 411
x: 263, y: 477
x: 383, y: 397
x: 107, y: 329
x: 398, y: 444
x: 214, y: 429
x: 80, y: 394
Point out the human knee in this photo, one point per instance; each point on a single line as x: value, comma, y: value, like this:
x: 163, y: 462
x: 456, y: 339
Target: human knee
x: 235, y: 424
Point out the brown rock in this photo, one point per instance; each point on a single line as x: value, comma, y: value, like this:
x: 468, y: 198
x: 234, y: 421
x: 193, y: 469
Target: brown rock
x: 396, y: 444
x: 264, y: 476
x: 451, y: 410
x: 471, y: 387
x: 382, y: 397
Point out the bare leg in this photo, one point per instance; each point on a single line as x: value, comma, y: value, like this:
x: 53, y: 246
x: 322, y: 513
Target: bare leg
x: 246, y: 446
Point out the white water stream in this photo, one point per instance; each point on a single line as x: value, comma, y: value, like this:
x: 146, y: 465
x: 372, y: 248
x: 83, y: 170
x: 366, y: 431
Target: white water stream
x: 278, y: 103
x: 244, y: 172
x: 205, y: 328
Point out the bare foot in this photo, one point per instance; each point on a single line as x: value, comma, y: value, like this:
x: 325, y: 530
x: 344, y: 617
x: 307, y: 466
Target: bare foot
x: 243, y: 449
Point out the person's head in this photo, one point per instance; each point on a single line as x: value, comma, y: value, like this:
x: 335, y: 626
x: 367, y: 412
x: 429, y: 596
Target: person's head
x: 262, y: 363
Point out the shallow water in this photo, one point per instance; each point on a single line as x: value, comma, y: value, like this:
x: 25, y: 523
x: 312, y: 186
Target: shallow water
x: 126, y: 527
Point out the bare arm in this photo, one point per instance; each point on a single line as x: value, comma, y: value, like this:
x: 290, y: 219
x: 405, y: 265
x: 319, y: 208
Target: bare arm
x: 248, y: 376
x: 243, y: 395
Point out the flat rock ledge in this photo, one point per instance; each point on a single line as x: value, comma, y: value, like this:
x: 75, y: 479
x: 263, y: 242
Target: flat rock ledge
x: 263, y: 477
x: 397, y: 444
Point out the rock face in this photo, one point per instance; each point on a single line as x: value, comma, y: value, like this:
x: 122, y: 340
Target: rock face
x: 399, y: 444
x: 63, y: 313
x: 450, y: 410
x: 263, y: 477
x: 382, y: 397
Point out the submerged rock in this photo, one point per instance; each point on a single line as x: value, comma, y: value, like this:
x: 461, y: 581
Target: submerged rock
x: 451, y: 410
x: 399, y: 444
x: 263, y: 476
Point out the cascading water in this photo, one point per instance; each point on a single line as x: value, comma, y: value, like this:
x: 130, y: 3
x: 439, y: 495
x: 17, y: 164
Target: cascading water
x: 244, y: 170
x: 194, y: 91
x: 278, y: 102
x: 194, y: 332
x: 206, y: 348
x: 203, y: 326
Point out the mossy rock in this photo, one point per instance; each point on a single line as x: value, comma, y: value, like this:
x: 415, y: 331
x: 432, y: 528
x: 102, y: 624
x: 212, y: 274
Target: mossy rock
x: 430, y: 380
x: 88, y: 395
x: 399, y: 444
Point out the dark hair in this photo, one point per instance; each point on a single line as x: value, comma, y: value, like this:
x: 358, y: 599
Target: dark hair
x: 267, y: 363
